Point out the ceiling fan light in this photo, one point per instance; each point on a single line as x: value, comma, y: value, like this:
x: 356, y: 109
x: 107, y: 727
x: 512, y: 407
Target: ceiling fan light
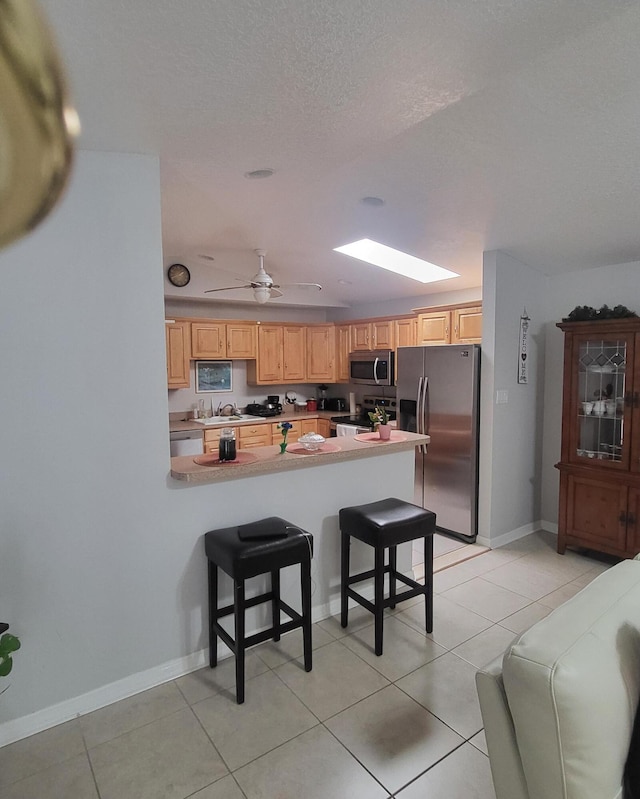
x: 261, y: 293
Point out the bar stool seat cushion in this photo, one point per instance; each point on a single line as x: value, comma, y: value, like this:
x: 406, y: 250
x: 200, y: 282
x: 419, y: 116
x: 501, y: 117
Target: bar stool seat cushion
x: 251, y: 557
x: 387, y: 522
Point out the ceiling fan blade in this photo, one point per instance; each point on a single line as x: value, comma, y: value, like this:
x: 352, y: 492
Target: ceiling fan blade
x: 301, y: 286
x: 229, y: 288
x: 275, y: 292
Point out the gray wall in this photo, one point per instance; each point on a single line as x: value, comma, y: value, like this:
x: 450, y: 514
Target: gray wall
x: 101, y: 566
x: 511, y: 433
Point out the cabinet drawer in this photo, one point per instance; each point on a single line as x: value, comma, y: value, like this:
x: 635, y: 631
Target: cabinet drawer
x: 247, y: 431
x: 247, y: 442
x: 212, y: 435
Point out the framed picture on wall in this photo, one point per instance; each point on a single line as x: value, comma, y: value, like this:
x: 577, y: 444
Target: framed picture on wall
x: 212, y: 376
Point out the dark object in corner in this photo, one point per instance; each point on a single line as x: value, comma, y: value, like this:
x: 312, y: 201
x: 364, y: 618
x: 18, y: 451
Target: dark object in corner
x: 585, y: 313
x: 631, y: 778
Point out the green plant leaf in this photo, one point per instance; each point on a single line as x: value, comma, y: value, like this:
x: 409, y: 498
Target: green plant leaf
x: 6, y: 664
x: 8, y: 643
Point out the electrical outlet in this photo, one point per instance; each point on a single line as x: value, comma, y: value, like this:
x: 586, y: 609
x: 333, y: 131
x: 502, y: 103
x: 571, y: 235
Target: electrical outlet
x: 502, y: 396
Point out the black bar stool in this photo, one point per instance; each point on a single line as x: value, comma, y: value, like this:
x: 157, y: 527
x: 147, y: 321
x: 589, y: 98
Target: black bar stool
x: 247, y: 551
x: 383, y: 525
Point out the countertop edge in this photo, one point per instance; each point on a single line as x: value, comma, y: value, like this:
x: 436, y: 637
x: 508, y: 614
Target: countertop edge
x: 270, y: 461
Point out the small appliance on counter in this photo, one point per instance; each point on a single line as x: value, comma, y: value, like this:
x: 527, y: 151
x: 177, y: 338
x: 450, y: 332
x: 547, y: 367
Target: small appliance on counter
x: 336, y: 404
x: 322, y: 398
x: 272, y: 407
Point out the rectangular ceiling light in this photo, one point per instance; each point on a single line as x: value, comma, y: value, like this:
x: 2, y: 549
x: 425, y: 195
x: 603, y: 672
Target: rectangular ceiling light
x: 396, y: 261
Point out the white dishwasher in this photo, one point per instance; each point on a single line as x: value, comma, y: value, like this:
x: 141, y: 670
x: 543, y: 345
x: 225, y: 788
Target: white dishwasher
x: 185, y: 442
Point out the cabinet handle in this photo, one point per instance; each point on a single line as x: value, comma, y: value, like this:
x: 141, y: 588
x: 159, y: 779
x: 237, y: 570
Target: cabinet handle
x: 622, y: 518
x: 631, y: 520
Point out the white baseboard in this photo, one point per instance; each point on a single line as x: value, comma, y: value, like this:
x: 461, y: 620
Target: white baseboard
x: 550, y: 527
x: 512, y: 535
x: 25, y: 726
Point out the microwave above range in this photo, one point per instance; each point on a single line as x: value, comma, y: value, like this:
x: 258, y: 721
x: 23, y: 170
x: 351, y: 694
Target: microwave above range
x: 374, y: 368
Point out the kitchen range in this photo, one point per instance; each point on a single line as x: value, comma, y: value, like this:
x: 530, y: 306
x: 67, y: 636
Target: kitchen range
x: 360, y: 422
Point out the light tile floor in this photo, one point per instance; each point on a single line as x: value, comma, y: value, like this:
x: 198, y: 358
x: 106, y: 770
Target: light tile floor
x: 405, y: 725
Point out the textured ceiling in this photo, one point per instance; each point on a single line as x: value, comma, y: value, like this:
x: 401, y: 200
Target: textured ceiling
x: 483, y: 124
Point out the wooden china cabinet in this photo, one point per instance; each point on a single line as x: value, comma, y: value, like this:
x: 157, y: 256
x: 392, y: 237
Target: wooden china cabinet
x: 600, y: 457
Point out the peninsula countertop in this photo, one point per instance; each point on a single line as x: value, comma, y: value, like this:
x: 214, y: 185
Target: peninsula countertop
x: 269, y: 460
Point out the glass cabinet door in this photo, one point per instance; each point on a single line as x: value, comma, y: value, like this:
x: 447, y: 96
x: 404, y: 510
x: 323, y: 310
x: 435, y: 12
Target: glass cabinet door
x: 599, y: 390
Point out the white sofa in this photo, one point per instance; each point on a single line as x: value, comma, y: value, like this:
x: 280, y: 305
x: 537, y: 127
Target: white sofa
x: 558, y: 707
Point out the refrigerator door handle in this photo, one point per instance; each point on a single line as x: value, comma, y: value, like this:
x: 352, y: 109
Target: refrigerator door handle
x: 419, y: 418
x: 375, y: 371
x: 424, y: 415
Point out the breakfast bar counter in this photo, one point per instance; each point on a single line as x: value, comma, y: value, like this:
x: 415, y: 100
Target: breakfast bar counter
x: 269, y: 460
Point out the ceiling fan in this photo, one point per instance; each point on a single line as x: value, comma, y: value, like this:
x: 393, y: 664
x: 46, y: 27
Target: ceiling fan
x: 263, y: 286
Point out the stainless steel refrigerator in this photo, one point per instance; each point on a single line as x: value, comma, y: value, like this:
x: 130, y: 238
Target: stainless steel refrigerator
x: 438, y: 394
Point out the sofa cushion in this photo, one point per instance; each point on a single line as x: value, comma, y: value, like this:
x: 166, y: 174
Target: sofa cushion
x: 573, y: 682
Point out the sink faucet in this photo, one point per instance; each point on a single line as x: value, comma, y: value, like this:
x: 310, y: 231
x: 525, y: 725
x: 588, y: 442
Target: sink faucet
x: 222, y: 409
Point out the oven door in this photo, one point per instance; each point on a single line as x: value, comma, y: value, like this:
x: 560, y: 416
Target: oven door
x: 371, y: 368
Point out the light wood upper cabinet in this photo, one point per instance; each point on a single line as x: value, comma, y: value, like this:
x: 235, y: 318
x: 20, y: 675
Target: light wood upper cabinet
x: 223, y: 340
x: 241, y: 340
x: 208, y: 340
x: 361, y: 336
x: 321, y: 349
x: 343, y: 348
x: 434, y: 327
x: 383, y: 334
x: 270, y: 355
x: 294, y: 341
x: 451, y: 325
x: 467, y: 326
x: 406, y: 332
x: 178, y: 343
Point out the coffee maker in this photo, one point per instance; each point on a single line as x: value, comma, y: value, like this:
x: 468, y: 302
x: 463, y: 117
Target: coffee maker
x: 273, y: 403
x: 322, y: 399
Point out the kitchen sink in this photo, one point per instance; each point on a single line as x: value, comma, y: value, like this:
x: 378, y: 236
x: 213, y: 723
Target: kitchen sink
x: 222, y: 420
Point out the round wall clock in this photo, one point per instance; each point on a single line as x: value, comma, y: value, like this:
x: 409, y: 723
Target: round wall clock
x: 178, y: 275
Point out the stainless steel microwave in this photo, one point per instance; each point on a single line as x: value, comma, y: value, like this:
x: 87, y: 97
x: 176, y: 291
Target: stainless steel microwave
x: 375, y: 368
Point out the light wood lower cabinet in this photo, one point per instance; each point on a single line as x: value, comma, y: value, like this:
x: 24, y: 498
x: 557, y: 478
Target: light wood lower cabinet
x: 253, y: 435
x: 263, y: 434
x: 211, y: 441
x: 178, y: 344
x: 292, y: 436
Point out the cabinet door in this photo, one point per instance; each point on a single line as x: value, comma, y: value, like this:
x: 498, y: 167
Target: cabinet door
x: 241, y: 340
x: 597, y: 513
x: 406, y: 332
x: 382, y: 332
x: 292, y: 436
x: 598, y: 401
x: 361, y: 337
x: 211, y: 441
x: 324, y: 427
x: 321, y: 347
x: 208, y: 340
x: 270, y: 353
x: 467, y: 326
x: 309, y: 426
x: 343, y: 348
x: 293, y: 342
x: 434, y: 327
x: 178, y: 342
